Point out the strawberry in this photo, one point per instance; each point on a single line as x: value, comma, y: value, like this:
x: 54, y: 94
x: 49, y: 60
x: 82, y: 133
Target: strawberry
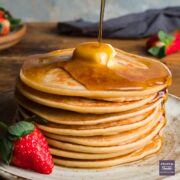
x: 8, y: 22
x: 163, y: 44
x: 174, y: 47
x: 4, y: 26
x: 177, y: 35
x: 25, y: 146
x: 2, y: 14
x: 152, y: 41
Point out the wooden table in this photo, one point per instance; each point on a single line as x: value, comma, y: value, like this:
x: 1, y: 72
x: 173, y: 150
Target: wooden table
x: 43, y: 37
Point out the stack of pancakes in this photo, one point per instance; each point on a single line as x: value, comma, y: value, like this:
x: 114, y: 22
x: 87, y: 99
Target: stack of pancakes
x: 90, y: 128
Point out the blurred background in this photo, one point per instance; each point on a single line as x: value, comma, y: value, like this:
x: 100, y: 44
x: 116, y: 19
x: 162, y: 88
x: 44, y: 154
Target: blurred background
x: 65, y: 10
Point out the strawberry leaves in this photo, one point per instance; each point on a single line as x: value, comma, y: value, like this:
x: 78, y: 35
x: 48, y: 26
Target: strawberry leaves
x: 165, y: 38
x: 20, y: 129
x: 6, y: 150
x: 37, y: 119
x: 3, y: 130
x: 158, y: 51
x: 1, y: 27
x: 15, y: 23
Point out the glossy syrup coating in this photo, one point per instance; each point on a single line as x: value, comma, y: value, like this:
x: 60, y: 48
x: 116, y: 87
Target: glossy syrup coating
x: 99, y: 67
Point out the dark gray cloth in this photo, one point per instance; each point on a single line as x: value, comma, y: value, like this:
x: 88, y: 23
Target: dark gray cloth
x: 136, y: 25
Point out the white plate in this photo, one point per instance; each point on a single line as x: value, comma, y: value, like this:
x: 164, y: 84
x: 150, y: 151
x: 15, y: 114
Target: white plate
x: 147, y: 169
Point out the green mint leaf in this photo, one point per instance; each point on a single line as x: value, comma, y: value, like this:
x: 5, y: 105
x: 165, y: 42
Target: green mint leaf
x: 20, y: 129
x: 157, y: 51
x: 166, y: 38
x: 6, y: 150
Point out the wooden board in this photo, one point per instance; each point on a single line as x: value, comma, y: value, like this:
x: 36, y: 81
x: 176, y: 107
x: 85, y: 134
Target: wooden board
x: 43, y: 37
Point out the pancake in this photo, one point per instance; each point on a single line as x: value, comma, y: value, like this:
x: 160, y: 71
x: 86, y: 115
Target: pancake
x: 142, y: 119
x: 72, y: 118
x: 108, y: 149
x: 118, y: 139
x: 101, y: 130
x: 103, y: 106
x: 51, y: 78
x: 153, y: 147
x: 84, y: 156
x: 123, y: 122
x: 78, y: 104
x: 123, y: 99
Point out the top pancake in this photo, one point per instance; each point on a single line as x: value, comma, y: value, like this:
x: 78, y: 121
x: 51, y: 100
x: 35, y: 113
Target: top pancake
x: 49, y: 77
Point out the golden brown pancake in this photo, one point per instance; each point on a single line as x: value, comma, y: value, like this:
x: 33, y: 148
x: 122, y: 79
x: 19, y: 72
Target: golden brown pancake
x: 100, y: 131
x: 109, y: 149
x: 153, y: 147
x: 118, y: 139
x: 72, y: 118
x: 78, y: 104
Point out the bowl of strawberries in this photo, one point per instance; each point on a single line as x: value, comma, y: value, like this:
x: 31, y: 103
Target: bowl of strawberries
x: 12, y: 29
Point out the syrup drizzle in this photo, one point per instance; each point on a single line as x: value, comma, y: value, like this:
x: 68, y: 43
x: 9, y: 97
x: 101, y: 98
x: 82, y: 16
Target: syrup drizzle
x: 101, y: 16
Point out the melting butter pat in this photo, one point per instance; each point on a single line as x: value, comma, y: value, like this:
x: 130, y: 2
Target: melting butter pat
x: 94, y: 52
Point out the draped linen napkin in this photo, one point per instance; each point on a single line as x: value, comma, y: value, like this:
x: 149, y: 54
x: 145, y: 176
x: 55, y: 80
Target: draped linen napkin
x: 136, y: 25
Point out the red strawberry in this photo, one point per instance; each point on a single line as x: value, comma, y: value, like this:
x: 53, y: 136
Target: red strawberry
x: 163, y: 44
x: 13, y: 24
x: 4, y: 26
x: 177, y: 35
x: 152, y: 41
x: 2, y: 14
x: 26, y: 147
x: 174, y: 47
